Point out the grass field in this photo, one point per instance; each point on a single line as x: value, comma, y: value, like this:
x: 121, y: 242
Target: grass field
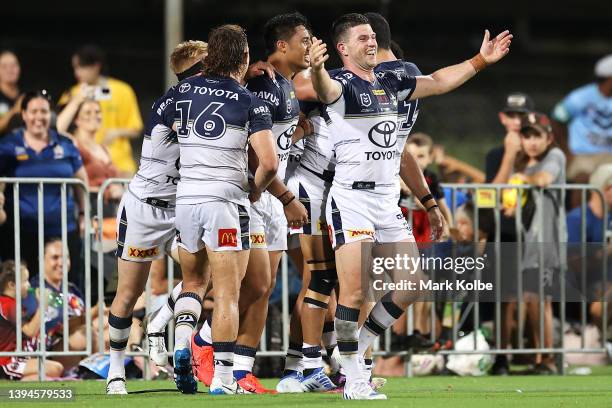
x: 429, y: 392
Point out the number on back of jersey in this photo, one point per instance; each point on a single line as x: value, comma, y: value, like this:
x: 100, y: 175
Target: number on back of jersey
x: 209, y: 124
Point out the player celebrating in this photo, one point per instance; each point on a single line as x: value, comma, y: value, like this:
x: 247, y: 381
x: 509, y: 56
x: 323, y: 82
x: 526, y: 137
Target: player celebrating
x: 363, y: 109
x: 145, y: 219
x: 288, y: 42
x: 216, y: 119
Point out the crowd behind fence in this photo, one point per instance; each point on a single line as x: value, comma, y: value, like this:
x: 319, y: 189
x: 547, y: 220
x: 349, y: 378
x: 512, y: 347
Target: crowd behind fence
x: 481, y: 195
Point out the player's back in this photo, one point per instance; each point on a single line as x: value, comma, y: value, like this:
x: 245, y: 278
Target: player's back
x: 158, y: 174
x: 318, y: 155
x: 212, y: 116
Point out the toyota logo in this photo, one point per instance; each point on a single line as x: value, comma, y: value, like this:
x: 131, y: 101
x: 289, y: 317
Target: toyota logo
x: 184, y: 87
x: 382, y: 134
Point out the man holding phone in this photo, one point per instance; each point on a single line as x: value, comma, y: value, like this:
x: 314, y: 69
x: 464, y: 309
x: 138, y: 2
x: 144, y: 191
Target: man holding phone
x: 121, y: 118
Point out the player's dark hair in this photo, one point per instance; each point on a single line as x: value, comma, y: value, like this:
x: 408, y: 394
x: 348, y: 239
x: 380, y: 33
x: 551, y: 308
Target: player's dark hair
x: 381, y: 27
x: 345, y: 23
x: 396, y: 49
x: 282, y: 27
x: 226, y: 51
x: 89, y: 55
x: 51, y: 240
x: 28, y: 96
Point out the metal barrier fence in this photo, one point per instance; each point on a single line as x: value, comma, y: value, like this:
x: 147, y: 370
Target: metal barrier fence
x: 42, y: 351
x: 476, y: 191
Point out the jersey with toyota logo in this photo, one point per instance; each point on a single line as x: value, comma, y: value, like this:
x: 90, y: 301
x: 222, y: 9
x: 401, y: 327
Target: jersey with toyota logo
x: 364, y: 127
x: 407, y: 111
x: 279, y: 94
x: 158, y: 173
x: 214, y: 118
x: 318, y: 155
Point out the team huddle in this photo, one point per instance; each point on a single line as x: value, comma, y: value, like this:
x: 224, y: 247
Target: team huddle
x: 240, y: 163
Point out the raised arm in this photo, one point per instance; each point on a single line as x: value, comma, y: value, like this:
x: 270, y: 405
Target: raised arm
x: 326, y: 88
x: 446, y: 79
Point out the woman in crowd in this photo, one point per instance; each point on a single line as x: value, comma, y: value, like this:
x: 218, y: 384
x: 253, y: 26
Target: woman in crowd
x: 19, y: 368
x: 10, y: 71
x: 82, y: 118
x: 540, y: 164
x: 41, y: 152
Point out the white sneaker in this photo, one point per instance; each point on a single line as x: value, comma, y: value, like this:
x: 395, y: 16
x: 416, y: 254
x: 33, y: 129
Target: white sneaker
x: 157, y: 349
x: 116, y: 386
x: 361, y: 390
x: 218, y: 388
x: 290, y: 383
x: 366, y: 372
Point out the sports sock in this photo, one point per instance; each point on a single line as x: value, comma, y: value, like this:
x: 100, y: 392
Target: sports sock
x: 244, y: 358
x: 204, y: 336
x: 312, y: 358
x: 346, y: 330
x: 165, y: 313
x: 293, y: 359
x: 382, y: 316
x: 224, y: 360
x: 186, y: 315
x: 119, y: 332
x: 328, y: 338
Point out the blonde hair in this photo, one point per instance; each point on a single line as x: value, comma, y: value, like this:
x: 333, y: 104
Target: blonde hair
x: 185, y: 51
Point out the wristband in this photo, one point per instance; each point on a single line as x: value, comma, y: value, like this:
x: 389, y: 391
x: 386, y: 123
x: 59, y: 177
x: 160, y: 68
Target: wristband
x: 288, y: 202
x: 478, y: 62
x: 426, y: 198
x: 432, y: 207
x: 282, y: 195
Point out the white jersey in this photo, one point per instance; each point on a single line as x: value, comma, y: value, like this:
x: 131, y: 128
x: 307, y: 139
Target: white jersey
x: 364, y: 130
x: 279, y: 94
x: 318, y: 154
x: 215, y: 117
x: 407, y: 111
x: 158, y: 173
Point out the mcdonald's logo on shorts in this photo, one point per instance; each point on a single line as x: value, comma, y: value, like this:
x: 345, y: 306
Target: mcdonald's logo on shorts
x: 227, y: 237
x: 258, y: 240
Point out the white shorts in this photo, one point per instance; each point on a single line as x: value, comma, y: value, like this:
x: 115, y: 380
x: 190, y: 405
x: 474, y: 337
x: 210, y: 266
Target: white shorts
x: 268, y: 224
x: 144, y: 232
x: 218, y: 225
x: 358, y: 214
x: 312, y: 192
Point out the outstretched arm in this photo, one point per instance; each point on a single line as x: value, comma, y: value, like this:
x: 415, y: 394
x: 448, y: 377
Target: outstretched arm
x: 446, y: 79
x: 326, y: 88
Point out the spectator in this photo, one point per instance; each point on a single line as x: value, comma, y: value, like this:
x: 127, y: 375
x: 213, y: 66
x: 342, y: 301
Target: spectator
x: 9, y: 92
x: 83, y: 118
x: 420, y: 146
x: 19, y: 368
x: 121, y: 120
x: 540, y: 163
x: 54, y: 318
x: 596, y: 232
x: 38, y: 151
x: 601, y: 179
x: 2, y: 201
x: 583, y: 123
x: 499, y: 165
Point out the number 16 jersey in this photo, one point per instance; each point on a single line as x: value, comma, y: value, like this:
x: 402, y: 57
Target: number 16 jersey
x: 214, y: 118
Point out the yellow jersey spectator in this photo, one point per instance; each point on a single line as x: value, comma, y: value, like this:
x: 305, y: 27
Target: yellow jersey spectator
x: 121, y: 120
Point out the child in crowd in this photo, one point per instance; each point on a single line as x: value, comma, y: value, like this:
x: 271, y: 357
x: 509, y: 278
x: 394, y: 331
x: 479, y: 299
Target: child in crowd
x: 19, y: 368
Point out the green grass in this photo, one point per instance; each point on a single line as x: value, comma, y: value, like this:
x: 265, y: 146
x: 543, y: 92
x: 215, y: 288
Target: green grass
x: 428, y: 392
